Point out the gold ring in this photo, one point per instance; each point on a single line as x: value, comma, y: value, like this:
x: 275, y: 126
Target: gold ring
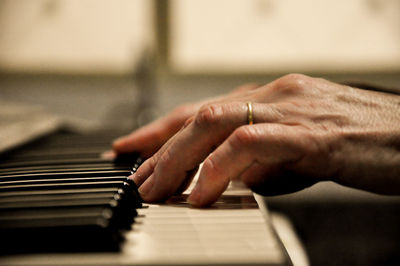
x: 249, y: 113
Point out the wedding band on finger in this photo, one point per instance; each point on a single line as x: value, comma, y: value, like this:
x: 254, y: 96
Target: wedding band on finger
x: 250, y: 113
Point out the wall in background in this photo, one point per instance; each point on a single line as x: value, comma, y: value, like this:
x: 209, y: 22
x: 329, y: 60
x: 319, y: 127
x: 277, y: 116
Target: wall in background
x: 267, y: 36
x: 74, y: 36
x: 224, y: 36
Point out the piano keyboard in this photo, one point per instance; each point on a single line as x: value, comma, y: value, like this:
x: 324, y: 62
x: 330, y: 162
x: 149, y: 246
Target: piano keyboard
x: 58, y: 190
x: 60, y: 203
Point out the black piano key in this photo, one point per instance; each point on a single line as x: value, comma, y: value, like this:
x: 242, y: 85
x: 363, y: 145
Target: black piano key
x: 77, y: 151
x: 55, y: 181
x: 56, y: 197
x: 127, y: 161
x: 58, y: 203
x: 54, y: 162
x: 18, y: 222
x: 57, y: 192
x: 33, y: 155
x: 86, y: 229
x: 118, y: 203
x: 57, y: 168
x: 60, y: 239
x: 115, y: 184
x: 122, y: 213
x: 59, y: 187
x: 131, y: 190
x: 62, y: 174
x: 122, y: 188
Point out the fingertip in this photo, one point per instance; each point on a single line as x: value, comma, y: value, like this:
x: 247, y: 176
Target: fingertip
x: 134, y: 178
x: 108, y: 155
x: 198, y: 201
x: 210, y: 186
x: 124, y: 144
x: 141, y: 175
x: 146, y: 188
x: 195, y: 196
x: 205, y: 194
x: 119, y: 142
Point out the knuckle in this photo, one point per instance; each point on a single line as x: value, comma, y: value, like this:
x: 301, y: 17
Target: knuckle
x: 164, y: 159
x: 210, y: 165
x: 147, y: 165
x: 152, y: 161
x: 244, y: 136
x: 159, y: 155
x: 294, y: 78
x: 188, y: 121
x: 291, y: 83
x: 209, y: 114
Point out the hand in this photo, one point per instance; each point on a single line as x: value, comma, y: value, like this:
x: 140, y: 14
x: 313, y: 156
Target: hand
x: 148, y: 139
x: 306, y: 130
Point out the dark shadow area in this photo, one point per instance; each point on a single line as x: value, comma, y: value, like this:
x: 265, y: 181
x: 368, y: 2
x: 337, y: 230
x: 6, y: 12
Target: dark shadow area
x: 346, y: 233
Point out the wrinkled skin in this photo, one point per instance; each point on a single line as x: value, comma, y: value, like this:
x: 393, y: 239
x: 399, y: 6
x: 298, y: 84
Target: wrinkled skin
x: 306, y: 130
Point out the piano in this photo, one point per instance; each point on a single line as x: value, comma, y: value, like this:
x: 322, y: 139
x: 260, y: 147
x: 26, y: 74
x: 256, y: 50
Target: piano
x: 62, y: 203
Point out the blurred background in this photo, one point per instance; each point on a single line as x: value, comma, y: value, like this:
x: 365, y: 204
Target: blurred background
x: 119, y: 64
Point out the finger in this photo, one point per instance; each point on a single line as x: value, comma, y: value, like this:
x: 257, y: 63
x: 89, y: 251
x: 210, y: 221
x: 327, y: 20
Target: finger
x: 270, y: 145
x: 212, y: 124
x: 147, y: 168
x: 148, y: 139
x: 143, y: 172
x: 108, y: 155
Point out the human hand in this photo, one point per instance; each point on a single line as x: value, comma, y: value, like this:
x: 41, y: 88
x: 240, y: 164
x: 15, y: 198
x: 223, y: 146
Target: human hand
x: 306, y: 130
x: 148, y: 139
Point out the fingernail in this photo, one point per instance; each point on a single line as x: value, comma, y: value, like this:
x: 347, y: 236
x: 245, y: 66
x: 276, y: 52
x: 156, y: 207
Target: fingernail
x: 133, y: 177
x: 195, y: 196
x: 136, y: 178
x: 146, y: 187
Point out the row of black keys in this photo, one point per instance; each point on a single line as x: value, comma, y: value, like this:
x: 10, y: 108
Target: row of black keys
x: 59, y: 194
